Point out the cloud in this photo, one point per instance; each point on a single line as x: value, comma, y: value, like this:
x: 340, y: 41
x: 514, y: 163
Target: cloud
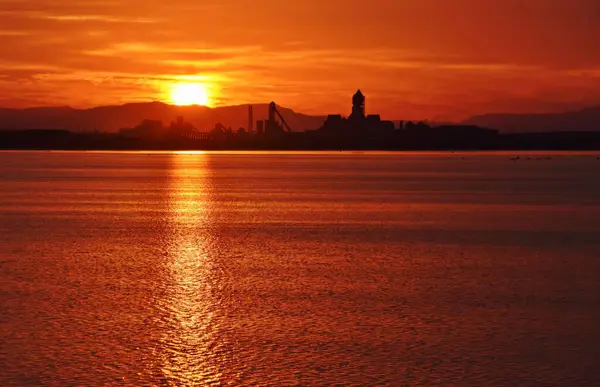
x: 14, y: 33
x: 101, y: 18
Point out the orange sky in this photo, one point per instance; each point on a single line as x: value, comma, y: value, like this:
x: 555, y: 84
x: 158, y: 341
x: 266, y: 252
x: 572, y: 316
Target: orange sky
x: 414, y: 59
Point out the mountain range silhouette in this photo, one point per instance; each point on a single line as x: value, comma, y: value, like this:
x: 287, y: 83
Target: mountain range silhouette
x: 587, y: 119
x: 112, y: 118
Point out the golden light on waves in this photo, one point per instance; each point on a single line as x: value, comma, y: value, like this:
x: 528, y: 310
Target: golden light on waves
x: 189, y: 341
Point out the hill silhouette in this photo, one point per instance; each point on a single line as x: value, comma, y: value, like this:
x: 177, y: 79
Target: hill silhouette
x: 112, y: 118
x: 587, y: 119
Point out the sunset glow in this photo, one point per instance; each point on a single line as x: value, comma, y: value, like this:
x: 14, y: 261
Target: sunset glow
x: 184, y: 94
x: 414, y: 59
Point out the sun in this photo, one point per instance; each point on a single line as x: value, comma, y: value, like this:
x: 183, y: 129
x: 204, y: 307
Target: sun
x: 184, y: 94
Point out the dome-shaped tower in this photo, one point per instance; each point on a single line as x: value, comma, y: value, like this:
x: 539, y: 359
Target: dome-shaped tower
x: 358, y: 106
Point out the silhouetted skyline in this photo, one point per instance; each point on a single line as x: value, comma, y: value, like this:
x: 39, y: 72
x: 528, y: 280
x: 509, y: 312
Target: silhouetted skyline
x: 360, y: 130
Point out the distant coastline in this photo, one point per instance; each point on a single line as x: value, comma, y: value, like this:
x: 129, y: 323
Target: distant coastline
x: 272, y: 127
x: 398, y: 141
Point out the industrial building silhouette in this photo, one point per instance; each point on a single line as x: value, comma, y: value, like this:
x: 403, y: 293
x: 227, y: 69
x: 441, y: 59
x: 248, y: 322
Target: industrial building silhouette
x: 358, y: 122
x: 357, y: 130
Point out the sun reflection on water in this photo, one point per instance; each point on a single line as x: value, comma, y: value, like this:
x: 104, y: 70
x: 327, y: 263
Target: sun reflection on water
x: 189, y: 340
